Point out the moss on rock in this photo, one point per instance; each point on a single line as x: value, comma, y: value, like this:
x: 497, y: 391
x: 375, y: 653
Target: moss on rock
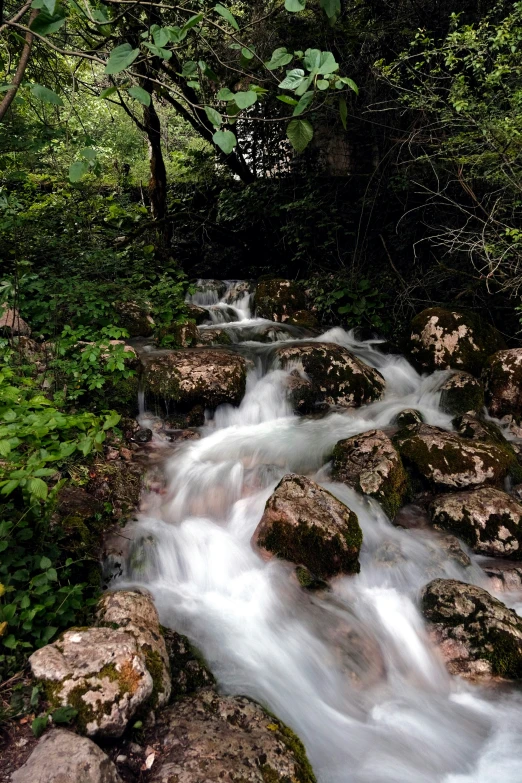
x: 278, y: 299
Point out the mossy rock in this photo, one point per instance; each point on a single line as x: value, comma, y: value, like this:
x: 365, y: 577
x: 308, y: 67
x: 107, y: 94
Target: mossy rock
x: 447, y: 339
x: 136, y: 318
x: 462, y: 393
x: 479, y: 429
x: 408, y: 419
x: 189, y: 670
x: 278, y: 299
x: 304, y: 319
x: 182, y: 335
x: 502, y: 377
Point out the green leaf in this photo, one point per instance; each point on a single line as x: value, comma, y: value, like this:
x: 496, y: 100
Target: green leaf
x: 64, y: 714
x: 161, y: 37
x: 193, y: 21
x: 292, y: 79
x: 287, y: 99
x: 248, y: 54
x: 225, y: 140
x: 214, y: 116
x: 312, y: 59
x: 52, y: 576
x: 88, y: 153
x: 350, y: 83
x: 46, y: 95
x: 9, y: 487
x: 158, y: 51
x: 300, y: 134
x: 108, y: 92
x: 139, y: 94
x: 294, y: 6
x: 49, y: 5
x: 46, y: 23
x: 10, y: 642
x: 120, y: 58
x: 305, y: 84
x: 5, y: 448
x: 327, y: 64
x: 111, y: 420
x: 226, y: 14
x: 331, y: 7
x: 45, y: 563
x: 304, y: 103
x: 177, y: 34
x: 225, y: 94
x: 280, y: 57
x: 190, y: 68
x: 343, y: 111
x: 39, y: 725
x: 245, y: 99
x: 322, y: 84
x: 77, y: 170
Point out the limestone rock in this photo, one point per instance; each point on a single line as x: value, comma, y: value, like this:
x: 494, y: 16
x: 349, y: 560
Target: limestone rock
x: 503, y: 381
x: 238, y: 290
x: 444, y: 339
x: 478, y: 635
x: 487, y: 432
x: 208, y: 737
x: 302, y: 393
x: 488, y: 520
x: 505, y: 575
x: 64, y: 757
x: 182, y: 335
x: 214, y: 337
x: 135, y: 613
x: 307, y: 525
x: 446, y: 461
x: 339, y: 377
x: 135, y: 317
x: 196, y: 376
x: 189, y: 671
x: 196, y: 314
x: 461, y: 394
x: 101, y: 672
x: 11, y: 323
x: 278, y: 299
x: 409, y: 419
x: 372, y: 466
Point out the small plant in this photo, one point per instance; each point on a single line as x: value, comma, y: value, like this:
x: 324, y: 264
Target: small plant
x: 62, y: 715
x: 359, y: 304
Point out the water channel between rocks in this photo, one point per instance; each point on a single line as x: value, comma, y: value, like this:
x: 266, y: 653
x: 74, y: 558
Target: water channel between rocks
x: 350, y: 670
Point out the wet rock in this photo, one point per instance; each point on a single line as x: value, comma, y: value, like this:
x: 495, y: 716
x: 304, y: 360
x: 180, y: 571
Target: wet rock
x: 208, y: 737
x: 278, y: 299
x: 503, y: 381
x: 504, y: 574
x: 136, y: 318
x: 452, y: 548
x: 310, y: 581
x: 214, y: 337
x: 339, y: 377
x: 135, y: 613
x: 409, y: 418
x: 178, y: 335
x: 11, y: 324
x: 487, y: 432
x: 462, y: 393
x: 444, y: 339
x: 197, y: 314
x: 101, y: 672
x: 305, y: 319
x: 238, y: 290
x: 64, y: 757
x: 302, y: 393
x: 143, y: 436
x: 305, y: 524
x: 488, y: 520
x: 478, y: 635
x: 372, y: 466
x: 199, y: 376
x: 189, y: 671
x: 208, y: 292
x: 445, y: 461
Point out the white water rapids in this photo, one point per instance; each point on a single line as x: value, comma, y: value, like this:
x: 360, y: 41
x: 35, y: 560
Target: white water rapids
x: 351, y: 670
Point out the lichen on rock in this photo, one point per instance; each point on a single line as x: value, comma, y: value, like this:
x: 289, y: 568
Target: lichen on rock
x: 462, y: 394
x: 503, y: 381
x: 278, y: 299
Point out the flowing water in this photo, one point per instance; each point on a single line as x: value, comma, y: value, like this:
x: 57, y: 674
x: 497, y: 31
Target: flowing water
x: 350, y: 670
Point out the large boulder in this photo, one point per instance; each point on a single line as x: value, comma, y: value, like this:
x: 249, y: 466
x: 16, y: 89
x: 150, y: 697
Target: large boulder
x: 338, y: 377
x: 446, y: 461
x: 198, y: 376
x: 305, y: 524
x: 503, y: 381
x: 487, y: 519
x: 278, y: 299
x: 207, y: 737
x: 445, y: 339
x: 101, y: 672
x: 487, y: 432
x: 189, y: 671
x: 462, y: 394
x: 478, y: 635
x: 371, y: 465
x: 135, y: 613
x: 11, y: 324
x: 136, y: 318
x: 64, y: 757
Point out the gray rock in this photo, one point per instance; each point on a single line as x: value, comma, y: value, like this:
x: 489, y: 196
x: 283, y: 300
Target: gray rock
x: 338, y: 377
x: 409, y: 418
x: 197, y: 314
x: 64, y: 757
x: 477, y: 635
x: 503, y: 381
x: 505, y: 575
x: 136, y: 318
x: 208, y: 737
x: 11, y: 322
x: 305, y: 524
x: 462, y: 393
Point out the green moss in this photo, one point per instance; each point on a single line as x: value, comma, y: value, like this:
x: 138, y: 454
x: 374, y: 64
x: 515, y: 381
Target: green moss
x: 466, y: 398
x: 277, y: 299
x: 506, y: 654
x: 304, y: 772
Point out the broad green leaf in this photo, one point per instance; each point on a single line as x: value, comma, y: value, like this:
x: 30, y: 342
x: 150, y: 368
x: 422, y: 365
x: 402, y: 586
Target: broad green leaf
x: 343, y: 111
x: 64, y: 714
x: 85, y: 446
x: 214, y: 116
x: 158, y: 51
x: 226, y: 14
x: 37, y: 488
x: 6, y: 87
x: 190, y: 68
x: 287, y: 99
x: 161, y: 37
x: 49, y: 5
x: 304, y: 103
x: 331, y: 7
x: 225, y: 140
x: 111, y: 420
x: 322, y: 84
x: 88, y: 153
x: 292, y: 79
x: 248, y: 54
x: 295, y: 5
x: 39, y: 725
x: 176, y: 34
x: 5, y: 448
x: 305, y: 84
x: 140, y: 95
x: 280, y: 57
x: 77, y: 170
x: 245, y: 99
x: 312, y: 59
x: 193, y: 21
x: 349, y: 83
x: 46, y: 23
x: 120, y: 58
x: 45, y: 563
x: 46, y: 95
x: 10, y: 642
x: 108, y: 92
x: 9, y: 487
x: 327, y: 64
x: 225, y: 94
x: 300, y: 134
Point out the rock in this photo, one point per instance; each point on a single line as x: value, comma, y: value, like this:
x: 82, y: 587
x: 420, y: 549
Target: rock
x: 305, y: 524
x: 199, y: 376
x: 339, y: 377
x: 143, y: 436
x: 372, y: 466
x: 488, y: 432
x: 504, y: 575
x: 305, y: 319
x: 64, y: 757
x: 208, y: 737
x: 238, y: 290
x: 488, y: 520
x: 462, y: 393
x: 278, y: 299
x: 135, y: 613
x: 207, y: 292
x: 478, y: 635
x: 11, y: 324
x: 101, y: 672
x: 118, y: 483
x: 302, y: 393
x: 196, y: 314
x: 189, y: 671
x: 409, y: 418
x: 178, y: 335
x: 135, y: 317
x: 214, y: 337
x: 503, y: 381
x: 452, y: 548
x: 445, y: 461
x: 444, y: 339
x: 309, y: 581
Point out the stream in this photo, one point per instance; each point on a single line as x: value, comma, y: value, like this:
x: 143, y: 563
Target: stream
x: 351, y: 670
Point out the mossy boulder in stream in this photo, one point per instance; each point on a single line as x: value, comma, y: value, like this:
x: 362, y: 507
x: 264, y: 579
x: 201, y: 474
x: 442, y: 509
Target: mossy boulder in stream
x: 446, y: 339
x: 278, y: 299
x: 209, y: 737
x: 338, y: 376
x: 462, y: 393
x: 503, y: 381
x: 477, y: 635
x: 305, y: 524
x: 196, y: 376
x: 136, y: 318
x: 372, y: 466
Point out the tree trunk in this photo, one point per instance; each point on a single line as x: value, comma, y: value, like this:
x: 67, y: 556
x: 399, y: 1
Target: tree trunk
x: 19, y: 75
